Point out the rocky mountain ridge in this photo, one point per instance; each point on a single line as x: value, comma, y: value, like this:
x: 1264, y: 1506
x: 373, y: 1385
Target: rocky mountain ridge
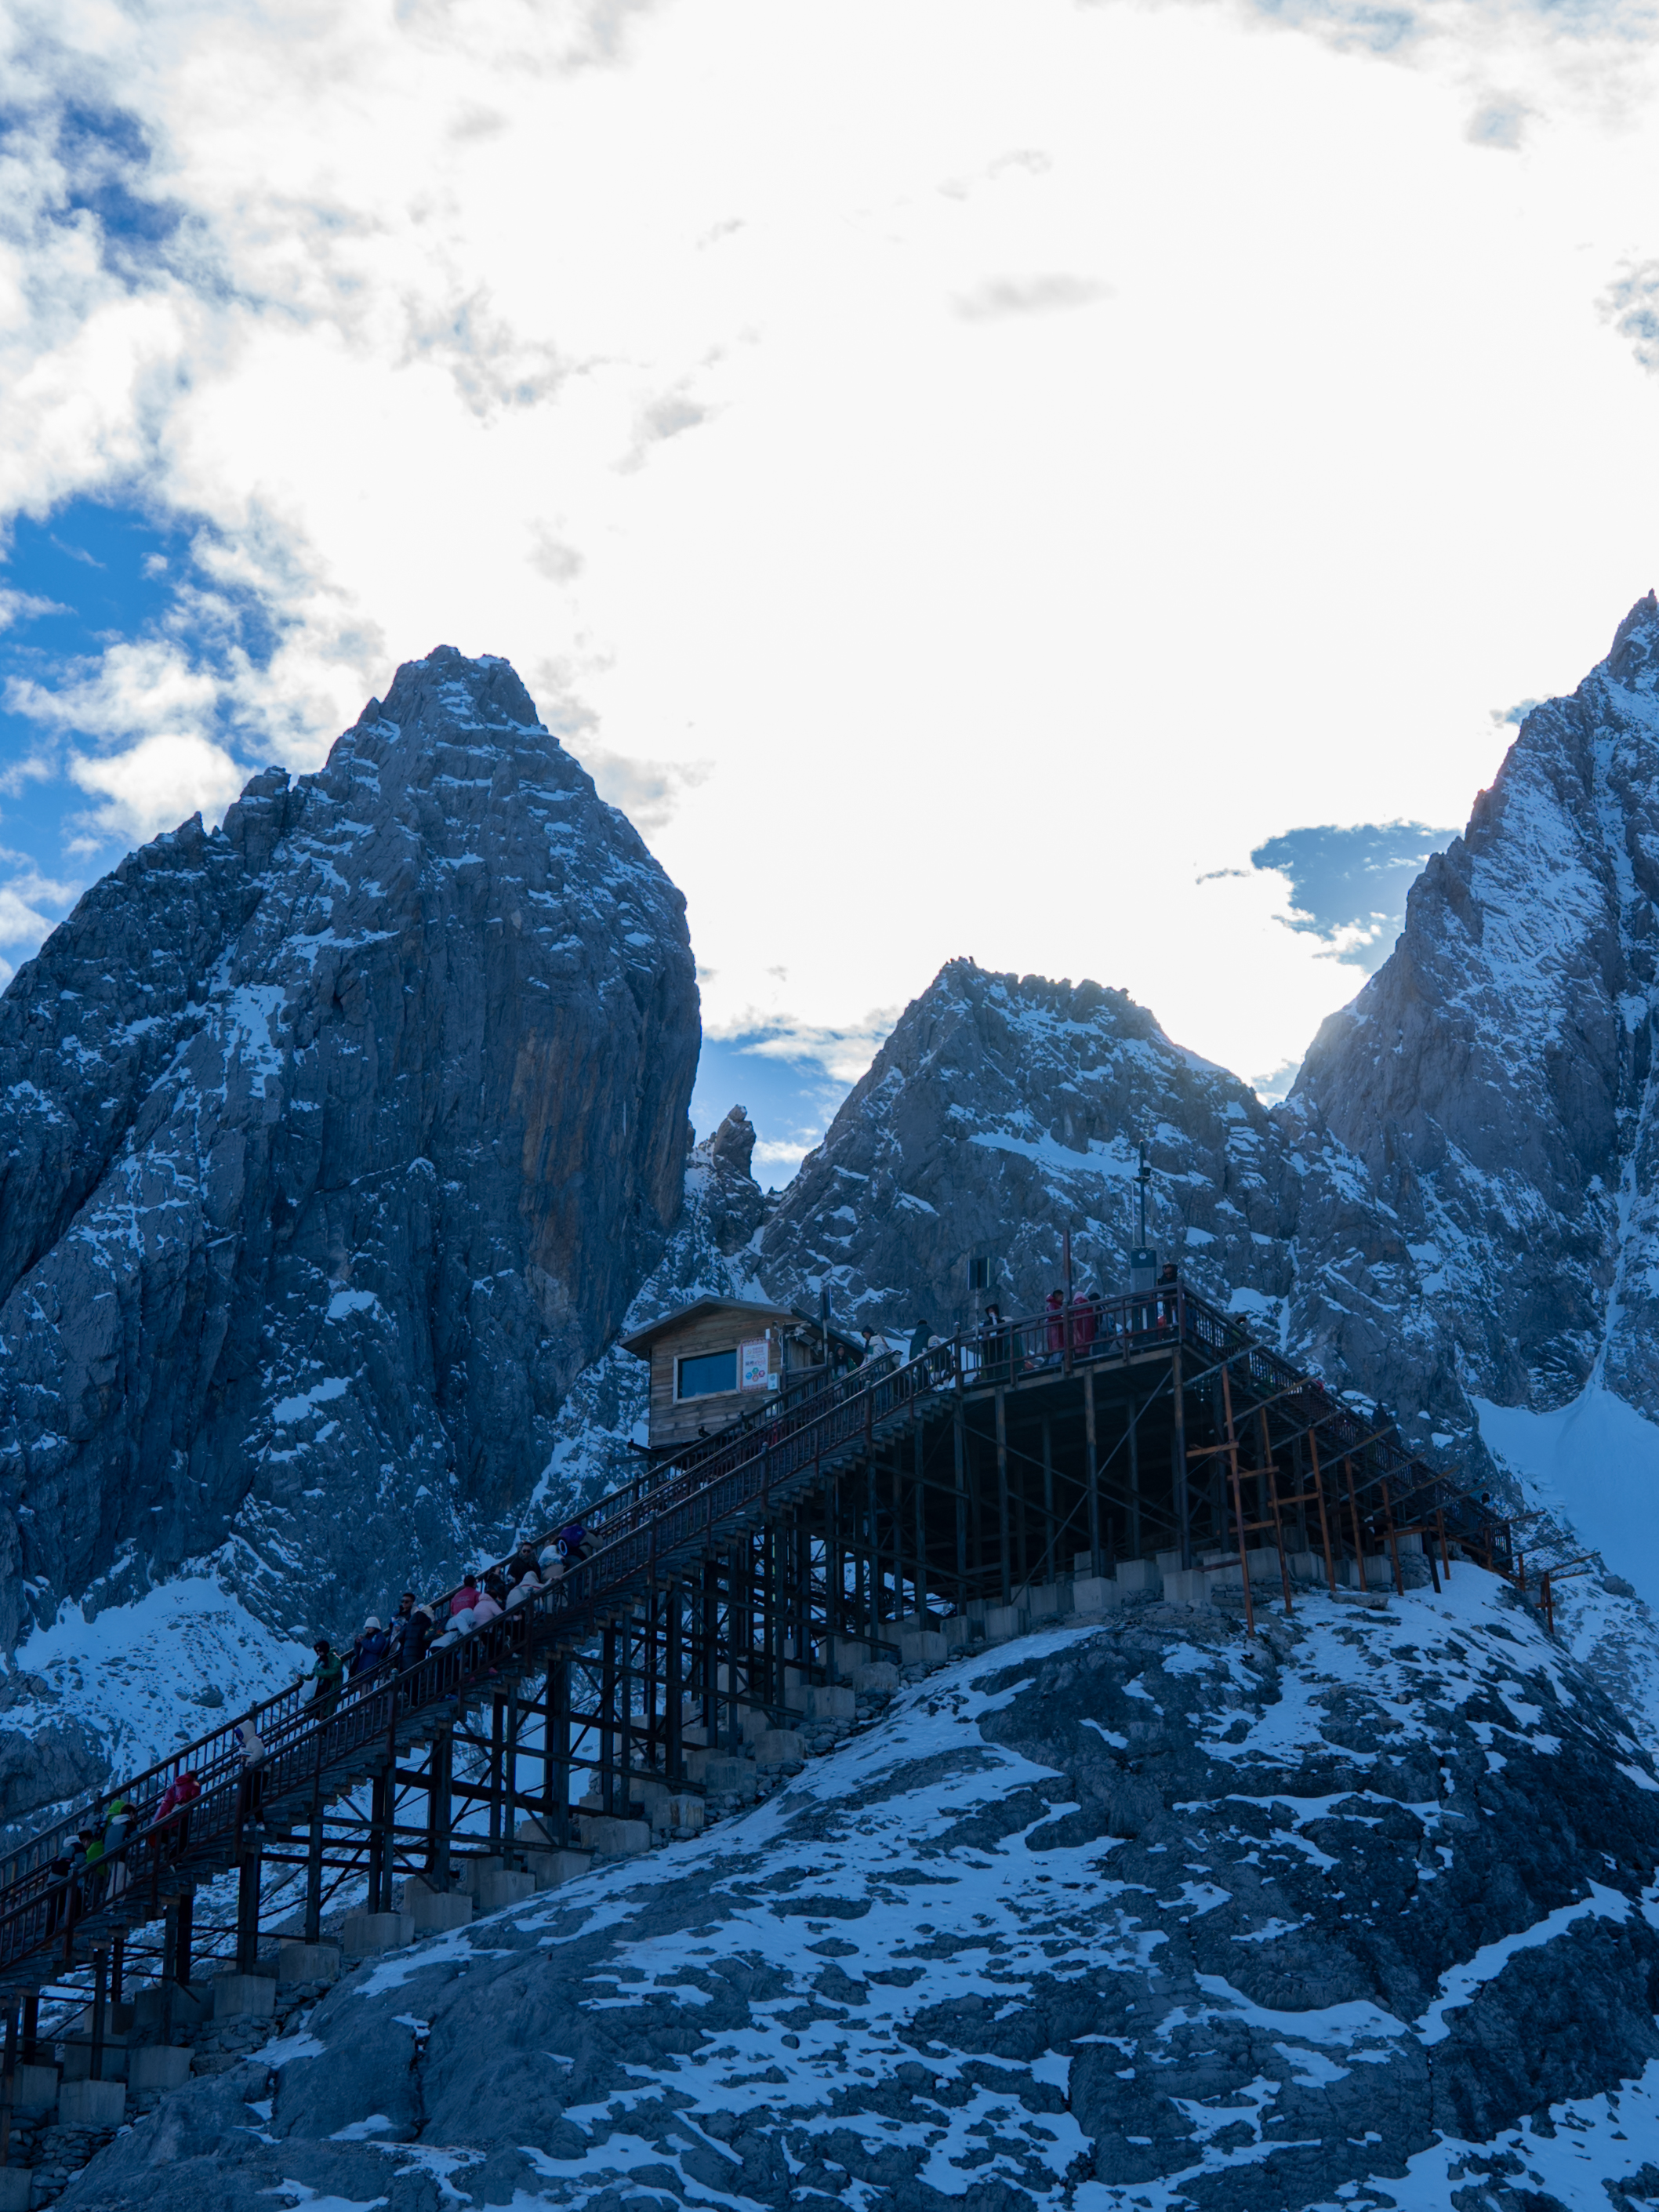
x: 1004, y: 1110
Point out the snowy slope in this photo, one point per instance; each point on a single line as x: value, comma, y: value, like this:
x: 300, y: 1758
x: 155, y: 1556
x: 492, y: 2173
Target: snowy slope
x: 1588, y: 1477
x: 120, y: 1688
x: 1141, y: 1915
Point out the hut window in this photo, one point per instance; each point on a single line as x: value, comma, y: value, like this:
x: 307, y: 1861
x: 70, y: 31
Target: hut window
x: 710, y: 1371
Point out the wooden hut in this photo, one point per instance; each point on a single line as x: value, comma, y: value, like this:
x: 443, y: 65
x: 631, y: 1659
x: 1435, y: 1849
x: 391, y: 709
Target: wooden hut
x: 711, y: 1361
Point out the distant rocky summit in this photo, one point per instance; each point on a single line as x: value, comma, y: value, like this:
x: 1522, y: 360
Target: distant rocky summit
x: 333, y: 1145
x: 1006, y: 1110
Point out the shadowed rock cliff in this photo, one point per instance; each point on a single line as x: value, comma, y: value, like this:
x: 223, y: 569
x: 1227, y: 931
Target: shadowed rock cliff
x: 333, y: 1144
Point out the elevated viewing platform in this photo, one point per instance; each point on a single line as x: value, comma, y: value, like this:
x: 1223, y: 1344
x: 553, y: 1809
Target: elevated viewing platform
x: 744, y: 1601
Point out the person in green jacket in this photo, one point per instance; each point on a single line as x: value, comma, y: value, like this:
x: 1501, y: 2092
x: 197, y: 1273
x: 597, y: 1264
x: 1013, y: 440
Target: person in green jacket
x: 118, y: 1819
x: 327, y: 1674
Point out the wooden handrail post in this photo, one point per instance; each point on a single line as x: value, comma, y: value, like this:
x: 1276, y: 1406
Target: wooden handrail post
x: 1394, y: 1542
x: 314, y: 1865
x: 1353, y: 1515
x: 8, y: 2079
x: 1238, y: 1497
x: 1002, y: 1490
x: 100, y: 1993
x: 1183, y: 1486
x: 1090, y: 1447
x: 1273, y: 1495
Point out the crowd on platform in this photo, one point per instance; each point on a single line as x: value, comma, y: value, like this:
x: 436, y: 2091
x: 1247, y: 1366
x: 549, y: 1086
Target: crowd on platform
x: 1041, y: 1342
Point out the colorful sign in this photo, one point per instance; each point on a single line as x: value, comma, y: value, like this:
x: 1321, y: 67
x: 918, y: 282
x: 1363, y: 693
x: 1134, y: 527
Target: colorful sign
x: 754, y: 1364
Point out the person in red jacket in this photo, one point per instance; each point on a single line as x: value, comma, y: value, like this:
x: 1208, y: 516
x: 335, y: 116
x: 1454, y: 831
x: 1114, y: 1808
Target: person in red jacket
x: 174, y: 1808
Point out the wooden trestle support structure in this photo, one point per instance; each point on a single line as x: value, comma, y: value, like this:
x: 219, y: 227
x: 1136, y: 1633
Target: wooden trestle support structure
x: 947, y: 1492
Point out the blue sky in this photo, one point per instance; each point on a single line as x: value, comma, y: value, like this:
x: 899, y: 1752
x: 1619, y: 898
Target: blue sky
x: 86, y: 582
x: 945, y: 473
x: 70, y: 583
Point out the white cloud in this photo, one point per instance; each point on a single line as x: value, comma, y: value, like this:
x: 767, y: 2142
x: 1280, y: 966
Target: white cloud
x: 1500, y: 122
x: 1630, y: 304
x: 844, y: 1053
x: 923, y: 627
x: 155, y: 784
x: 30, y: 903
x: 23, y: 606
x: 37, y: 767
x: 131, y: 689
x: 27, y: 880
x: 1000, y: 296
x: 20, y: 923
x: 667, y: 415
x: 647, y: 791
x: 774, y: 1152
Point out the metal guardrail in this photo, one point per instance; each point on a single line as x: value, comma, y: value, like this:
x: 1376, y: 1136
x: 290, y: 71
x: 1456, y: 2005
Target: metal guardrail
x: 306, y: 1752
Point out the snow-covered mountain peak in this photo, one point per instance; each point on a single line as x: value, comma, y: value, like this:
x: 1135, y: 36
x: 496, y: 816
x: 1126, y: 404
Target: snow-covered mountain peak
x: 1493, y: 1075
x: 1002, y: 1110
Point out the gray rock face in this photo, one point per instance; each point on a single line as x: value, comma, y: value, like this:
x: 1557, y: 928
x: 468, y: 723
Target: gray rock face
x: 1495, y: 1076
x: 333, y: 1146
x: 732, y: 1200
x: 1002, y: 1110
x: 43, y: 1767
x: 605, y: 1417
x: 1361, y: 1905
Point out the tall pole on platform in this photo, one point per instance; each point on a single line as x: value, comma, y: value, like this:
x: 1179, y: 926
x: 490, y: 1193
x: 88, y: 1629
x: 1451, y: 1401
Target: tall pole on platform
x: 1066, y: 1332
